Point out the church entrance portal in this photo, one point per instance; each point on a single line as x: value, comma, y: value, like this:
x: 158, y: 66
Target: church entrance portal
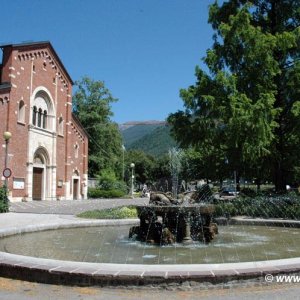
x: 37, y: 183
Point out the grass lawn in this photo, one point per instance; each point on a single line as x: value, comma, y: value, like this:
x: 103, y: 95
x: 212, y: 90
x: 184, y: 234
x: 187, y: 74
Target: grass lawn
x: 123, y: 212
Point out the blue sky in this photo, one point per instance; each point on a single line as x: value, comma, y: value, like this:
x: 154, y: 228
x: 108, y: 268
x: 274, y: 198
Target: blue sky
x: 144, y: 50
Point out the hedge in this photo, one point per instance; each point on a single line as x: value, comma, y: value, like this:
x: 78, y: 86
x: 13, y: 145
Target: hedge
x: 3, y: 200
x: 285, y: 207
x: 99, y: 193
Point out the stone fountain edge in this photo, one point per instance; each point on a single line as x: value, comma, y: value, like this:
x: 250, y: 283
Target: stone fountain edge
x: 109, y: 274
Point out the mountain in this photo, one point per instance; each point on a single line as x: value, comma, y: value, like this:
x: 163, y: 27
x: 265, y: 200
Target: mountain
x: 134, y: 130
x: 152, y: 137
x: 157, y: 142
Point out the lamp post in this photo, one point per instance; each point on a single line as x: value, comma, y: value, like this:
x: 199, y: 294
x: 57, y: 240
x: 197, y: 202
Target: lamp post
x: 6, y: 136
x: 123, y: 166
x: 132, y: 165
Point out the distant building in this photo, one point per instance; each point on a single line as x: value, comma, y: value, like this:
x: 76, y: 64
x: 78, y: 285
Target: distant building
x: 48, y: 150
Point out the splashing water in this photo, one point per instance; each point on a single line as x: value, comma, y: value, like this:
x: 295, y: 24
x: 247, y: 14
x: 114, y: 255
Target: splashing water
x: 175, y: 157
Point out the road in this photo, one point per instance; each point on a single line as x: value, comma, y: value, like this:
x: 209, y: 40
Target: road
x: 22, y: 290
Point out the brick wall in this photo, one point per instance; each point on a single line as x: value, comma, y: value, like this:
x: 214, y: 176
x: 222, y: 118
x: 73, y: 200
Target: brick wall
x: 34, y: 70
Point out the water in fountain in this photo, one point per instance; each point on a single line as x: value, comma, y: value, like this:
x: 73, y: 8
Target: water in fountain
x: 110, y: 244
x: 175, y: 157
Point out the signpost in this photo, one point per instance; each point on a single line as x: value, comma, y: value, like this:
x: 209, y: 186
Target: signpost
x: 7, y: 172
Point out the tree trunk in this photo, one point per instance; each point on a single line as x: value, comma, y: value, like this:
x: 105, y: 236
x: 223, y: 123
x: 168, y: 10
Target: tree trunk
x: 258, y: 184
x: 279, y: 178
x: 237, y: 181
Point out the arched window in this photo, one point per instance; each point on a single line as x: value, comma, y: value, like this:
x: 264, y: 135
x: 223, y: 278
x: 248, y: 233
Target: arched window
x: 45, y: 113
x: 34, y: 113
x: 45, y: 120
x: 40, y: 113
x: 60, y: 126
x: 21, y: 112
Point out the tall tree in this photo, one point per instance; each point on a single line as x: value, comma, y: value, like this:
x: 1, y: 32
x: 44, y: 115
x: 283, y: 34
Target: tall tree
x: 248, y: 104
x: 92, y: 105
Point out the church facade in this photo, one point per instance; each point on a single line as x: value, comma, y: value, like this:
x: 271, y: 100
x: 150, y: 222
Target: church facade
x: 48, y: 149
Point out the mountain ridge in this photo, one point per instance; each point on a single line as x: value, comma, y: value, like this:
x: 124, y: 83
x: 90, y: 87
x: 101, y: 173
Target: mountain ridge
x: 152, y: 136
x: 128, y: 124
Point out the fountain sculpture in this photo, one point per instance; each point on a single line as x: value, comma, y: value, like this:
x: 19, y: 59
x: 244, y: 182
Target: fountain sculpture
x: 184, y: 220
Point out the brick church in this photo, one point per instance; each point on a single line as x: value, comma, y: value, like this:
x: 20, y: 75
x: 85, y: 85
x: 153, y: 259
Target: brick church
x: 47, y: 152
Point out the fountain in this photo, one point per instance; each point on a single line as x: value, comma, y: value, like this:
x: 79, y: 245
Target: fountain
x: 167, y: 220
x: 89, y: 252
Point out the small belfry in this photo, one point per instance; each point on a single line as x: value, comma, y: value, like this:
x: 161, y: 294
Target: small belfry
x: 48, y: 149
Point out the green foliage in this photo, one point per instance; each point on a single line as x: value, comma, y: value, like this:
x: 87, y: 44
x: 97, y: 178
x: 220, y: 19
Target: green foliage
x: 124, y: 212
x: 144, y: 165
x: 92, y: 105
x: 285, y: 207
x: 162, y: 167
x: 99, y: 193
x: 107, y: 180
x: 225, y: 210
x: 246, y: 110
x: 204, y: 163
x: 3, y: 200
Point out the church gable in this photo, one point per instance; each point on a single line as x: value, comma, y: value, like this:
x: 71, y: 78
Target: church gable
x: 44, y: 53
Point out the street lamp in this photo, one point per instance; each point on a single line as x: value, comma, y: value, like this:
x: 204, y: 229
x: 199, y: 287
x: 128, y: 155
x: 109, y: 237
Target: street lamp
x: 132, y: 165
x: 6, y: 136
x: 123, y: 166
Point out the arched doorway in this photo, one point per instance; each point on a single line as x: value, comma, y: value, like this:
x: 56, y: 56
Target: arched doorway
x: 76, y: 185
x: 39, y: 175
x: 41, y: 161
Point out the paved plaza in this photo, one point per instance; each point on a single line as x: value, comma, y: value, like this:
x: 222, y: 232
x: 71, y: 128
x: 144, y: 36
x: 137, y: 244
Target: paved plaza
x: 71, y: 207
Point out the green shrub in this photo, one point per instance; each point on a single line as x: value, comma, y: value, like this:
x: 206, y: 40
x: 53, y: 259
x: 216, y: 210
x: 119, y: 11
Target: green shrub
x: 285, y: 207
x: 108, y: 181
x: 225, y: 210
x: 3, y: 200
x: 99, y: 193
x: 248, y: 192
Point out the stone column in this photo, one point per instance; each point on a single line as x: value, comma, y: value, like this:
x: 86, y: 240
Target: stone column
x: 29, y: 181
x: 187, y: 229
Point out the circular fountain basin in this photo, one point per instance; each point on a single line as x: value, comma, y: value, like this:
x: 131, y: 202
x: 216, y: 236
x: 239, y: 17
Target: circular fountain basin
x: 65, y: 270
x: 110, y: 244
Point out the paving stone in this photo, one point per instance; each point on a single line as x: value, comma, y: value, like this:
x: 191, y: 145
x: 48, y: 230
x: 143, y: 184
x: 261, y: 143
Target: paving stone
x: 224, y: 272
x: 63, y: 269
x: 249, y: 272
x: 178, y: 274
x: 295, y: 267
x: 107, y: 273
x: 86, y: 271
x: 130, y: 273
x: 161, y: 274
x: 201, y: 274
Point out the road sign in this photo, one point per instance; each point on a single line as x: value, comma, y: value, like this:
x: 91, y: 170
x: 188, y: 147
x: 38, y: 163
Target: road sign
x: 7, y: 172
